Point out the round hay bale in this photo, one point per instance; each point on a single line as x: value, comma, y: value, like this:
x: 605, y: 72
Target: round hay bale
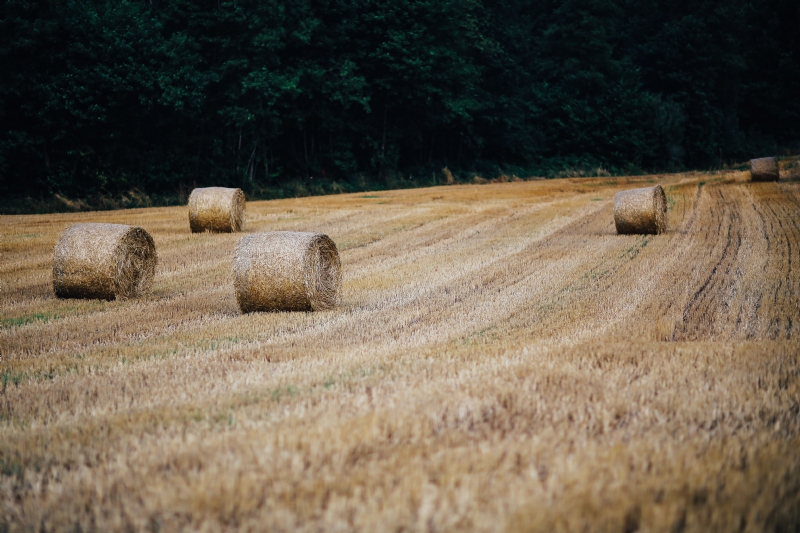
x: 105, y: 261
x: 764, y: 169
x: 216, y: 209
x: 286, y: 271
x: 641, y: 210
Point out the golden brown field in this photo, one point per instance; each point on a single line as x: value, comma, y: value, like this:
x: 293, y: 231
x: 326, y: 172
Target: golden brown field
x: 501, y: 360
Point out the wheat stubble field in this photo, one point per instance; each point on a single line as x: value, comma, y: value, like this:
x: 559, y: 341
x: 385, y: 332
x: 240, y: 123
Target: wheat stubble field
x: 501, y: 360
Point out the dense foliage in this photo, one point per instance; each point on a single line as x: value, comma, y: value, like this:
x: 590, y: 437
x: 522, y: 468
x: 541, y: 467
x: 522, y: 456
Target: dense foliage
x: 105, y: 96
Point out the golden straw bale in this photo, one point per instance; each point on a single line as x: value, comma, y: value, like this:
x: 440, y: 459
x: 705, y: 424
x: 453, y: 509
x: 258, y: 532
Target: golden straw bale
x: 104, y: 261
x: 641, y: 210
x: 764, y: 169
x: 286, y: 271
x: 216, y: 209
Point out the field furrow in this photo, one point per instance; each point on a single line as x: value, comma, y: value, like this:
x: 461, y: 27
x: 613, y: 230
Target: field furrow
x: 501, y: 359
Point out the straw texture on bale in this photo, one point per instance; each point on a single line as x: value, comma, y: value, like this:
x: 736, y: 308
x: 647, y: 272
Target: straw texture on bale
x: 286, y: 271
x: 216, y: 209
x: 641, y: 211
x: 764, y: 169
x: 105, y: 261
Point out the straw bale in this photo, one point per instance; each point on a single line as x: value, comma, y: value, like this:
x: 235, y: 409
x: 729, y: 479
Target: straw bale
x: 216, y: 209
x: 286, y: 271
x: 105, y: 261
x: 641, y: 210
x: 764, y: 169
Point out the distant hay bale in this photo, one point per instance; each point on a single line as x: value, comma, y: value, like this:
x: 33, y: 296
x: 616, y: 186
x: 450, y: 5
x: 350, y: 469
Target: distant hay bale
x: 216, y: 209
x: 286, y: 271
x: 448, y: 176
x: 764, y: 169
x: 641, y: 210
x: 105, y: 261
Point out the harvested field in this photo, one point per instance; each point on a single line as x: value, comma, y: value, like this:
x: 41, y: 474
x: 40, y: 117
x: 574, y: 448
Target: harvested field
x: 501, y: 360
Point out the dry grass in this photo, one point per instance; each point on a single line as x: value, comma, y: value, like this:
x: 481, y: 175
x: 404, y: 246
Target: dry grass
x: 501, y: 359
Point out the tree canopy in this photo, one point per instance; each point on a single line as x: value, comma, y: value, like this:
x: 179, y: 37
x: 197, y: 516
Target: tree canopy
x: 103, y: 96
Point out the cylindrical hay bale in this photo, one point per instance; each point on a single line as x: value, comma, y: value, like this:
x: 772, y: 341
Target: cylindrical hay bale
x: 286, y: 271
x: 104, y: 261
x: 641, y: 210
x: 216, y: 209
x: 764, y: 169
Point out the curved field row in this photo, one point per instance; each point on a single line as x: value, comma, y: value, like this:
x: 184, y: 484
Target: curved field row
x: 501, y: 359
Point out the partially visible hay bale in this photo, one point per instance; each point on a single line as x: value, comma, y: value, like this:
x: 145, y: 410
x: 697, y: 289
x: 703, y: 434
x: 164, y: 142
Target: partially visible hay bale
x: 104, y: 261
x: 764, y: 169
x: 448, y: 176
x: 641, y: 210
x: 216, y: 209
x: 286, y: 271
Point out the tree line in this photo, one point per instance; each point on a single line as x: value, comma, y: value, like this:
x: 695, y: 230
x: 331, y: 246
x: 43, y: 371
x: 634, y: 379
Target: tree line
x: 99, y: 96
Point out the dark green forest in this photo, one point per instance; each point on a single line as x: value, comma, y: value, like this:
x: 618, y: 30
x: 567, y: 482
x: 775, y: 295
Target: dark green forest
x: 101, y: 96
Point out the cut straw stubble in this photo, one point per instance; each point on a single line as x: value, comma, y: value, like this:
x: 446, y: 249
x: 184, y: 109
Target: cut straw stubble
x: 286, y: 271
x: 105, y: 261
